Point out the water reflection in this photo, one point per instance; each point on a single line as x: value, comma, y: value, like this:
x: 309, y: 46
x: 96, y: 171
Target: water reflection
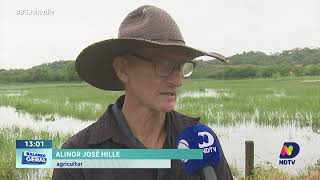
x: 51, y: 123
x: 268, y: 141
x: 204, y: 93
x: 314, y: 80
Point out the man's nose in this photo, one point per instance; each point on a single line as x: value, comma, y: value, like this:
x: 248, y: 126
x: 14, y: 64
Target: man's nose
x: 176, y: 77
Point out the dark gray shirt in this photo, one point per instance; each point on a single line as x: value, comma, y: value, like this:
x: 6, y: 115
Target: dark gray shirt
x: 159, y: 174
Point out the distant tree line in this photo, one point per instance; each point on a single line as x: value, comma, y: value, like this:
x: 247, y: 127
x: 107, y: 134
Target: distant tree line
x: 253, y: 71
x: 303, y: 56
x: 295, y: 62
x: 62, y: 71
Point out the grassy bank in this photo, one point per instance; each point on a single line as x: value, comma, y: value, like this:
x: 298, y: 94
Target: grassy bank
x: 267, y: 171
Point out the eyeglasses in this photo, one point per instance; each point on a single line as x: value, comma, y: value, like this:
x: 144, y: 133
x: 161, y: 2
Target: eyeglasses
x: 165, y: 68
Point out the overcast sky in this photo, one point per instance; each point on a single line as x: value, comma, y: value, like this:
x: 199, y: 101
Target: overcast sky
x: 223, y: 26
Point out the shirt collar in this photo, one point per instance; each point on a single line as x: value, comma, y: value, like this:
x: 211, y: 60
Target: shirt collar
x: 123, y: 125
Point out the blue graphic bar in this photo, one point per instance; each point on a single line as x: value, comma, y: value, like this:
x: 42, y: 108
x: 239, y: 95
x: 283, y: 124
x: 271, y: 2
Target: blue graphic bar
x: 34, y: 144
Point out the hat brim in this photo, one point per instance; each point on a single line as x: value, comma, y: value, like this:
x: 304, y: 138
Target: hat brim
x: 94, y: 63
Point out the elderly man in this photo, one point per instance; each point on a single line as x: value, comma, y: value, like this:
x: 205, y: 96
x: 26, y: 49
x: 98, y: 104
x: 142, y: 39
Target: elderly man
x: 148, y: 61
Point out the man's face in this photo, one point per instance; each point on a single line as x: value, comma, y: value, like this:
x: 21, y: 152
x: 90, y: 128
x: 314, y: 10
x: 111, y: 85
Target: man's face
x: 146, y: 87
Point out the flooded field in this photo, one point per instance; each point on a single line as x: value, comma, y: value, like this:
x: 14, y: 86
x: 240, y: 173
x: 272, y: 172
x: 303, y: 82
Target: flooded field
x: 268, y: 140
x: 268, y: 112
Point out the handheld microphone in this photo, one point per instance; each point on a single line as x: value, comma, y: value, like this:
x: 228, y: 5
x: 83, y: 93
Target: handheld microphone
x: 200, y: 137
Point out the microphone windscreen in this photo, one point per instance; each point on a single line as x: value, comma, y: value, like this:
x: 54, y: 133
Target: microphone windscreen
x: 199, y: 137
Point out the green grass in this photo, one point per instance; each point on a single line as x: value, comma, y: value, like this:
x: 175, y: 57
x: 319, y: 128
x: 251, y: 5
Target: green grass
x: 8, y: 157
x: 269, y: 172
x: 266, y: 101
x: 74, y: 100
x: 312, y: 172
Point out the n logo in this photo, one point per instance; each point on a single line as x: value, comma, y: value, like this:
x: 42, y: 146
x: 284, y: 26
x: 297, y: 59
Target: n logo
x: 289, y: 150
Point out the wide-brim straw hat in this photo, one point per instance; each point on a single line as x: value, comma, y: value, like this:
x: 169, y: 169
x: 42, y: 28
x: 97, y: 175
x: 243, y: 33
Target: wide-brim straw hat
x: 146, y: 27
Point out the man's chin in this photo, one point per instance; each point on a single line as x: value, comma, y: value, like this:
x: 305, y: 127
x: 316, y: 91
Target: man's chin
x: 167, y: 107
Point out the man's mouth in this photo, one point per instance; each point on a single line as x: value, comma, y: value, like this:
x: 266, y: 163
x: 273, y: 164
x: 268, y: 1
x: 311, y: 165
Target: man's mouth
x: 168, y: 93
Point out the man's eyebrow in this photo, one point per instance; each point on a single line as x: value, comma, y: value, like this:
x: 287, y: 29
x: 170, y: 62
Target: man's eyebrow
x: 157, y: 60
x: 139, y: 56
x: 136, y: 55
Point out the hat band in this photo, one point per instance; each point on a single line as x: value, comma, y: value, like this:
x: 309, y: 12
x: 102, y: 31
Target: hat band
x: 169, y: 41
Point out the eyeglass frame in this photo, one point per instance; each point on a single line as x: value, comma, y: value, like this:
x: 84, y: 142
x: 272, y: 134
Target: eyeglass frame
x: 146, y: 59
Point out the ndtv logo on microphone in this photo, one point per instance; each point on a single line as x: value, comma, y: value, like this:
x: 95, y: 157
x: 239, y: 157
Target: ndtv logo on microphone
x: 199, y: 137
x: 206, y: 144
x: 289, y: 150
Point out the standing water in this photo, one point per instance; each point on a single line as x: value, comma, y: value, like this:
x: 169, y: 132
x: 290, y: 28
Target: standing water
x: 9, y: 118
x: 268, y: 140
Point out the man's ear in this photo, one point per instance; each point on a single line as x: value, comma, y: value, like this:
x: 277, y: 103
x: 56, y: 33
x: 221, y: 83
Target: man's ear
x: 120, y: 66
